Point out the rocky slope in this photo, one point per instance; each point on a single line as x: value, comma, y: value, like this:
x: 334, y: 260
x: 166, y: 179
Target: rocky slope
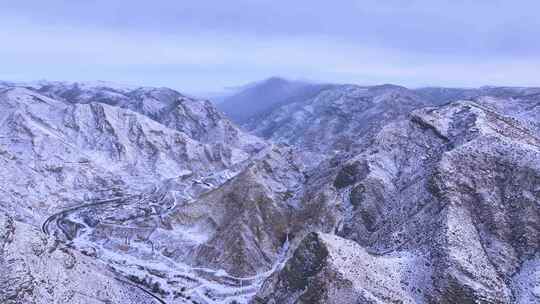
x: 94, y: 152
x: 64, y: 152
x: 337, y: 118
x: 328, y: 269
x: 384, y: 195
x: 341, y: 118
x: 196, y: 118
x: 443, y: 208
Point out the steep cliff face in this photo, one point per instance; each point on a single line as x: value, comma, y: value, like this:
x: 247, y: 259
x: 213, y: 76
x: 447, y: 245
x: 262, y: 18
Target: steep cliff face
x: 452, y: 188
x: 198, y: 119
x: 328, y: 269
x: 94, y: 166
x: 250, y: 214
x: 70, y: 152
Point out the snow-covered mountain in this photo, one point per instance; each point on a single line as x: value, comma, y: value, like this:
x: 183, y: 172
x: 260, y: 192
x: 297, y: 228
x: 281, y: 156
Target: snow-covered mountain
x: 442, y: 207
x: 62, y: 144
x: 440, y: 95
x: 257, y: 99
x: 336, y: 118
x: 66, y: 145
x: 382, y: 194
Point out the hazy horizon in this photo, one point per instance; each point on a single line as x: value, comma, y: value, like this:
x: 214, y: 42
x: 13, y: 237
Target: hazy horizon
x: 203, y: 46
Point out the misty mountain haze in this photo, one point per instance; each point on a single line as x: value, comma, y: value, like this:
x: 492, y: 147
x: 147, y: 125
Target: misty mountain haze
x: 405, y: 170
x: 258, y: 98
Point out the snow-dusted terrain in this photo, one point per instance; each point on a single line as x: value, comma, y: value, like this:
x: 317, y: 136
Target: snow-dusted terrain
x: 121, y: 194
x: 336, y: 119
x: 96, y: 166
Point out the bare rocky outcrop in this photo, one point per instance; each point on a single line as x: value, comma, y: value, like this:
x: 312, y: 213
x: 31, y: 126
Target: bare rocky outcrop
x: 455, y: 188
x: 247, y: 219
x: 328, y: 269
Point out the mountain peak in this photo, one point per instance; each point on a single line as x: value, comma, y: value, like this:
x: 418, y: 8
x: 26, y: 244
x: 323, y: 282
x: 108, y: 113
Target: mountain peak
x: 276, y: 79
x: 263, y: 96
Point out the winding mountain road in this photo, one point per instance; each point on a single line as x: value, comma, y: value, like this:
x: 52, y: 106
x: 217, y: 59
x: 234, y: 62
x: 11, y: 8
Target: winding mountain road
x: 55, y: 218
x: 64, y: 213
x: 223, y: 286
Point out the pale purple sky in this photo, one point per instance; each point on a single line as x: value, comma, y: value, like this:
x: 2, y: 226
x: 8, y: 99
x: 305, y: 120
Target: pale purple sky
x: 205, y: 45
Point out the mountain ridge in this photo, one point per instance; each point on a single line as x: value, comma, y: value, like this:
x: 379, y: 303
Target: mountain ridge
x: 355, y: 190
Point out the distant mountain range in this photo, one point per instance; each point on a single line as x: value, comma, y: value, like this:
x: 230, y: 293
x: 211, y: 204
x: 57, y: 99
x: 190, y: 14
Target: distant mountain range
x: 256, y: 99
x: 319, y: 193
